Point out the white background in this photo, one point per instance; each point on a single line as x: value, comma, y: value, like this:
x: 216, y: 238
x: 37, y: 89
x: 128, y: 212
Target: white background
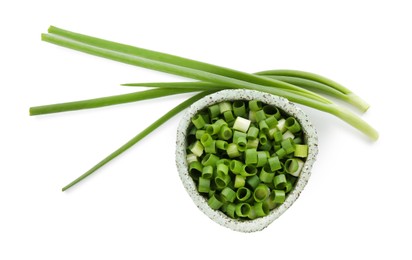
x: 355, y: 206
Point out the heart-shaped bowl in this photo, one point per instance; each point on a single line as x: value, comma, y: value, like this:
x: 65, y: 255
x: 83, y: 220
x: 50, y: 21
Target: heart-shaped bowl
x: 288, y: 108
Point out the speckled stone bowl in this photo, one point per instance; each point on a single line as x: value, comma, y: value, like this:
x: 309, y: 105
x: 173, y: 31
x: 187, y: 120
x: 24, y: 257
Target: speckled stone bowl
x: 240, y: 94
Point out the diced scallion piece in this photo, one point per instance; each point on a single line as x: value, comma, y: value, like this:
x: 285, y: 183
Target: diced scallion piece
x: 241, y: 124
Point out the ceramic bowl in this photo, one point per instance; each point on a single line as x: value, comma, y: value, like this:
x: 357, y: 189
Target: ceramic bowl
x: 190, y: 186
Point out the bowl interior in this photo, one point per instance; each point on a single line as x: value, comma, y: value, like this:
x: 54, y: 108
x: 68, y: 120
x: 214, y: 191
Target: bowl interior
x: 241, y: 94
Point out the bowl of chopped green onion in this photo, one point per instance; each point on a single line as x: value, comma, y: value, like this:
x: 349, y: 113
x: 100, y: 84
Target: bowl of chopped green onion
x: 245, y: 156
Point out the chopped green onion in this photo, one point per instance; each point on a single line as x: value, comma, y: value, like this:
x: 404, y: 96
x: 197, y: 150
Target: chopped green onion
x: 228, y: 194
x: 262, y: 138
x: 232, y: 150
x: 241, y: 143
x: 261, y: 193
x: 239, y: 108
x: 206, y: 139
x: 250, y: 156
x: 222, y: 145
x: 195, y: 170
x: 291, y: 166
x: 207, y: 172
x: 271, y: 111
x: 263, y: 126
x: 255, y: 105
x: 252, y: 144
x: 277, y: 135
x: 222, y: 181
x: 209, y: 159
x: 288, y: 146
x: 204, y: 185
x: 215, y: 202
x: 239, y: 181
x: 241, y: 124
x: 228, y: 115
x: 253, y: 181
x: 248, y: 170
x: 292, y: 125
x: 261, y: 209
x: 224, y: 161
x: 243, y: 194
x: 262, y: 158
x: 278, y: 196
x: 279, y: 181
x: 225, y: 132
x: 213, y: 129
x: 252, y: 133
x: 282, y: 125
x: 236, y: 166
x: 291, y: 169
x: 231, y: 210
x: 225, y: 106
x: 301, y: 150
x: 260, y: 115
x: 271, y: 122
x: 191, y: 158
x: 252, y: 116
x: 266, y: 175
x: 198, y: 121
x: 214, y: 111
x: 196, y: 148
x: 222, y: 169
x: 199, y: 133
x: 274, y: 163
x: 288, y: 135
x: 243, y: 209
x: 281, y: 153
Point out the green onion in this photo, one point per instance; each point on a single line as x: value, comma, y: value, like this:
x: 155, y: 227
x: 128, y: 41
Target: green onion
x: 251, y: 156
x: 243, y: 194
x: 248, y: 170
x: 201, y: 71
x: 209, y: 159
x: 243, y: 209
x: 326, y: 85
x: 228, y: 194
x: 279, y: 181
x: 301, y: 150
x: 222, y: 145
x: 138, y: 137
x: 261, y: 193
x: 204, y: 185
x: 266, y: 176
x: 225, y: 132
x: 253, y: 181
x: 274, y: 163
x: 236, y: 166
x: 292, y: 125
x: 239, y: 108
x: 195, y: 170
x: 278, y: 196
x: 198, y: 121
x: 232, y: 150
x: 215, y: 202
x: 241, y: 124
x: 261, y: 209
x: 239, y: 181
x: 207, y: 172
x: 252, y: 133
x: 107, y: 101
